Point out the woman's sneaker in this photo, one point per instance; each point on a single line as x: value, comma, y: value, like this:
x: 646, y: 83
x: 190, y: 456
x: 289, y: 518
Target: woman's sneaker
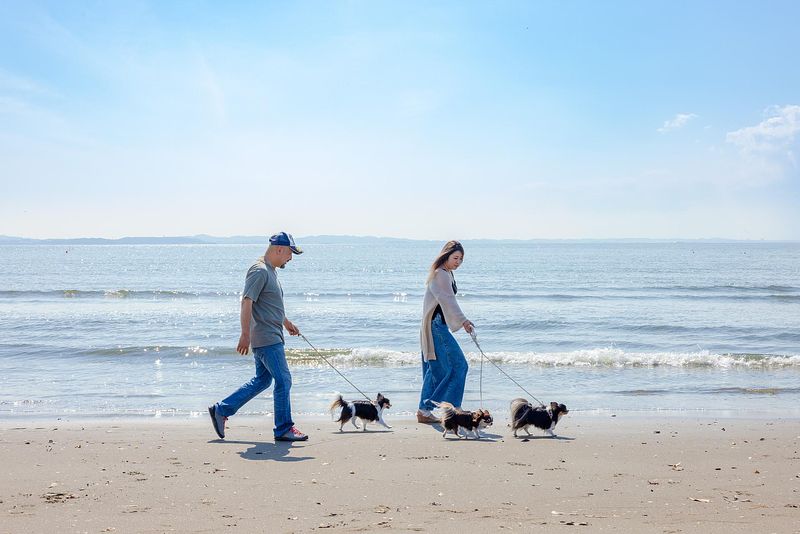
x: 426, y: 417
x: 292, y: 435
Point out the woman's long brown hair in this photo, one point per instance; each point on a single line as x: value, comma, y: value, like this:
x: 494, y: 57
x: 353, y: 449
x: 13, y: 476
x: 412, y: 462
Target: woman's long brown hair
x: 447, y: 250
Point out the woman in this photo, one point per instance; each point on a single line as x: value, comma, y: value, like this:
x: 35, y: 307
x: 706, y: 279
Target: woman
x: 444, y: 367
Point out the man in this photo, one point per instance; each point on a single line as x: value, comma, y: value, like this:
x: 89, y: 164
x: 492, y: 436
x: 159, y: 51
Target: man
x: 263, y: 319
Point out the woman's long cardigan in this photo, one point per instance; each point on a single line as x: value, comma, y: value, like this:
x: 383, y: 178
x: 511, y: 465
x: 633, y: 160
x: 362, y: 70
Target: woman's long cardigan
x: 439, y: 293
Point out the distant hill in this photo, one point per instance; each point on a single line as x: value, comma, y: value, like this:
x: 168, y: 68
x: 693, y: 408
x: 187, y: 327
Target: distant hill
x: 9, y: 240
x: 201, y: 239
x: 204, y: 239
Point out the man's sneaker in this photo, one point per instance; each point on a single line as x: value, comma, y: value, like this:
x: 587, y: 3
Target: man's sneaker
x: 218, y: 421
x: 292, y: 435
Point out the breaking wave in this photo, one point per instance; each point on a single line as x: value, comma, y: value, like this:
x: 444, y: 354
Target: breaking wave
x: 381, y: 357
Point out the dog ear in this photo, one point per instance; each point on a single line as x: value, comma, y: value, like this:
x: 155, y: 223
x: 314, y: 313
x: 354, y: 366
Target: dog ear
x: 554, y: 405
x: 380, y: 396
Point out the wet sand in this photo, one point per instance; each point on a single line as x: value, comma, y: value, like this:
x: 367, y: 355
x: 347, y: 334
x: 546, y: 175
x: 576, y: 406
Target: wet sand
x: 601, y: 474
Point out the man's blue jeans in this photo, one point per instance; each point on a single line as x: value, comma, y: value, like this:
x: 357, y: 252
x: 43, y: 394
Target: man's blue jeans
x: 443, y: 379
x: 270, y: 365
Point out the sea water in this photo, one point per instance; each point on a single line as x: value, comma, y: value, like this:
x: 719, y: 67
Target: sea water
x: 685, y: 328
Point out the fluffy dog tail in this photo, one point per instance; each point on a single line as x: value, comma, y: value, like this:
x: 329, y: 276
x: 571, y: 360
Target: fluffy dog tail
x: 518, y: 408
x: 338, y: 404
x: 448, y: 410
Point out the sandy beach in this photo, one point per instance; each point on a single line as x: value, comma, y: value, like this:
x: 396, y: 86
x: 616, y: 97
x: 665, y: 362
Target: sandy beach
x: 601, y: 474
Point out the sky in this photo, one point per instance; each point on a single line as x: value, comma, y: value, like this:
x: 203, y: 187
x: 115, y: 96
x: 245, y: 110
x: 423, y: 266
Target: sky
x: 429, y: 120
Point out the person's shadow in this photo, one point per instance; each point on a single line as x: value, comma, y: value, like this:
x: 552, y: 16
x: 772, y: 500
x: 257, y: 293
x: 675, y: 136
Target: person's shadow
x: 277, y: 451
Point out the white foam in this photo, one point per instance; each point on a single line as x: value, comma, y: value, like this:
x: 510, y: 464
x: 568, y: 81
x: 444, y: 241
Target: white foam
x: 596, y: 357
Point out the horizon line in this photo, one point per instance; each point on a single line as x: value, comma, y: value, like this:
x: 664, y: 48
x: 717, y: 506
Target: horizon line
x: 258, y: 239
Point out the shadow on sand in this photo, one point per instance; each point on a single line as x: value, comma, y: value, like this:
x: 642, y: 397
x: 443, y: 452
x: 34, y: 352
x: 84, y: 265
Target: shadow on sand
x: 354, y: 432
x: 529, y: 438
x: 485, y: 436
x: 267, y: 450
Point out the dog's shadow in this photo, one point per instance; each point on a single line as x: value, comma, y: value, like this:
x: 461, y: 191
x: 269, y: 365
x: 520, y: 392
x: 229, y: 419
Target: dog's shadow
x: 485, y: 436
x: 529, y: 438
x: 277, y: 451
x: 355, y: 432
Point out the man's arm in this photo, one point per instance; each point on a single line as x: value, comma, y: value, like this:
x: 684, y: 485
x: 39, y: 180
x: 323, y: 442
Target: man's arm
x: 245, y: 317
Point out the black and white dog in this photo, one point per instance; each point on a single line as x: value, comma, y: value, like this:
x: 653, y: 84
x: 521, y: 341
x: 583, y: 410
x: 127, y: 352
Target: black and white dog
x: 366, y: 411
x: 524, y: 414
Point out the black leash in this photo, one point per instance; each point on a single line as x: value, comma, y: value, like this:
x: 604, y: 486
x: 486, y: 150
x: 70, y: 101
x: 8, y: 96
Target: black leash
x: 332, y: 367
x: 474, y: 337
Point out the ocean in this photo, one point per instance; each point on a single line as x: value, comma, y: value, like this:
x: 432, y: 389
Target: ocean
x: 608, y: 328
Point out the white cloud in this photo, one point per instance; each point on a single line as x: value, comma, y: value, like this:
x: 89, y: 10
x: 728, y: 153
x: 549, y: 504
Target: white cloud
x: 678, y: 121
x: 13, y: 83
x: 210, y: 82
x: 11, y: 105
x: 767, y: 151
x: 775, y: 133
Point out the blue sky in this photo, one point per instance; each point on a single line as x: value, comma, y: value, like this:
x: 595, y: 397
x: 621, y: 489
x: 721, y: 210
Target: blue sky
x: 416, y: 119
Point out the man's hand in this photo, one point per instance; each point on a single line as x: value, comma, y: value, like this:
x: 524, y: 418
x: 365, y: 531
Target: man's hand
x: 244, y: 318
x: 468, y: 326
x: 293, y: 330
x: 244, y: 344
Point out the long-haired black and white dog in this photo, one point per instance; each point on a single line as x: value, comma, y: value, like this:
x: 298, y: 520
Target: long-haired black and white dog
x: 361, y: 409
x: 454, y: 418
x: 525, y: 414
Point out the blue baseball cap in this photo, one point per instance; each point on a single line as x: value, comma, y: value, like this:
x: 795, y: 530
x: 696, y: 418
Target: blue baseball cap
x: 285, y: 240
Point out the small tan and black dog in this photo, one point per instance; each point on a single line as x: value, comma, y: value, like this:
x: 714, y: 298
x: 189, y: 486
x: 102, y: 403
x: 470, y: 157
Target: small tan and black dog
x: 454, y: 418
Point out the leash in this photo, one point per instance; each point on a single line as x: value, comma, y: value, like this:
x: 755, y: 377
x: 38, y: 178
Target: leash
x: 474, y: 337
x: 332, y: 367
x: 480, y: 380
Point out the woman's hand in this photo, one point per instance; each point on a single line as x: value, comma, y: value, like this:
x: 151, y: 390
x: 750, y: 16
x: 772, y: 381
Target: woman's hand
x: 468, y: 326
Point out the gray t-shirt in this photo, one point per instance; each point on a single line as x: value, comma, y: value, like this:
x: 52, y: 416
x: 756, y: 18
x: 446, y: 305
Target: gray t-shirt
x: 262, y: 286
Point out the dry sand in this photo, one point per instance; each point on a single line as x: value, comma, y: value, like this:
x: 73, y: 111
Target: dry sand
x: 602, y: 475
